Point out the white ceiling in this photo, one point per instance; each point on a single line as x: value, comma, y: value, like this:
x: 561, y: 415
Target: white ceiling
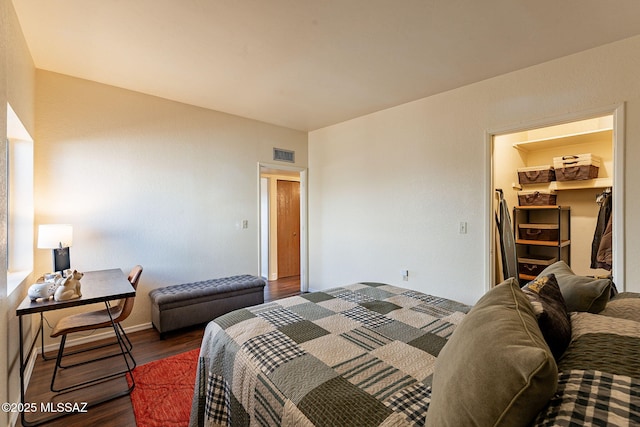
x: 306, y: 64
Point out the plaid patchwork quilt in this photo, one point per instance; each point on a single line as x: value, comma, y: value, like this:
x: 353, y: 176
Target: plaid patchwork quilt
x: 360, y: 355
x: 599, y: 375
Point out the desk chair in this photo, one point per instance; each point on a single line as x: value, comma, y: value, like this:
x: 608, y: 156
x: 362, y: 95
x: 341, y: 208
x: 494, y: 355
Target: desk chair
x: 94, y: 320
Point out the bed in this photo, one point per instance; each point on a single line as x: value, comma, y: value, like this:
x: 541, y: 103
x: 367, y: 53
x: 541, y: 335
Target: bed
x: 374, y: 354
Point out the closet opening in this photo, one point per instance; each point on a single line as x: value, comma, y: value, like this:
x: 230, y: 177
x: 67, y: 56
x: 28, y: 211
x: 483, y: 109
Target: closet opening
x: 562, y: 183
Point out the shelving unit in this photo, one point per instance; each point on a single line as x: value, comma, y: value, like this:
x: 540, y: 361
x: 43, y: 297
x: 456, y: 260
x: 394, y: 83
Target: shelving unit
x: 553, y: 217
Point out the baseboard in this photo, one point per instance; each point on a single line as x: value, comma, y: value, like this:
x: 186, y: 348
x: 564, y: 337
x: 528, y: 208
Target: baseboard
x: 96, y: 337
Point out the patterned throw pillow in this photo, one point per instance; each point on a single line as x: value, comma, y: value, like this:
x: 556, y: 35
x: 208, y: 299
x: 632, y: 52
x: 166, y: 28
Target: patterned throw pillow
x: 551, y: 311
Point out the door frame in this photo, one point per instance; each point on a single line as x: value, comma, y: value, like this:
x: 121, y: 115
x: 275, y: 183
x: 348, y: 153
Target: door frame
x: 618, y: 113
x: 304, y: 234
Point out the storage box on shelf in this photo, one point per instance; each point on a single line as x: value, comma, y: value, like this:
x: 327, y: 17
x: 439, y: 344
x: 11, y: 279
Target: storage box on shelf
x: 532, y: 265
x: 537, y: 198
x: 576, y: 167
x: 536, y: 174
x: 543, y: 235
x: 544, y: 232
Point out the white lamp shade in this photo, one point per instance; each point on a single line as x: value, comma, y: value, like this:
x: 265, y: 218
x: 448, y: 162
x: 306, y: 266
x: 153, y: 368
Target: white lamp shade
x: 51, y: 236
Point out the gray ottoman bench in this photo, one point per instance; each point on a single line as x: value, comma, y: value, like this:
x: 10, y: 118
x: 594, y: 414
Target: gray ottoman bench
x: 179, y: 306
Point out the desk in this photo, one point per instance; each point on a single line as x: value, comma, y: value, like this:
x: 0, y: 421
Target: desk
x: 97, y: 286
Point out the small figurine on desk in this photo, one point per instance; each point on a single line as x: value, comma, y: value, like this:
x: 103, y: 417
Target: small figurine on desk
x: 69, y: 287
x: 45, y: 286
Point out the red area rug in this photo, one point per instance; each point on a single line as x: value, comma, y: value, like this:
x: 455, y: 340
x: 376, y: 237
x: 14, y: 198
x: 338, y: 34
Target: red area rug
x: 164, y: 390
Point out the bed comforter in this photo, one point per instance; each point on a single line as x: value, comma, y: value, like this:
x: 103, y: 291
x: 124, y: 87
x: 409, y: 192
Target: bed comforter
x: 356, y: 355
x: 599, y: 374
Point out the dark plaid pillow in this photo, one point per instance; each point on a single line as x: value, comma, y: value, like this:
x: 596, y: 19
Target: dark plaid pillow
x: 551, y: 311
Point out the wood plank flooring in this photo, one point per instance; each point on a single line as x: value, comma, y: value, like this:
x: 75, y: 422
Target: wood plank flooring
x: 147, y: 347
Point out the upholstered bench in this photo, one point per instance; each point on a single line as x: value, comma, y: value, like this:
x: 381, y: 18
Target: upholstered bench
x: 179, y: 306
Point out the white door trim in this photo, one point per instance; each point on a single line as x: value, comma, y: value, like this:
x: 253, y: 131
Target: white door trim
x: 618, y: 112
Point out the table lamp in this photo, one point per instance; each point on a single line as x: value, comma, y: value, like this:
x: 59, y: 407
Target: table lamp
x: 59, y: 238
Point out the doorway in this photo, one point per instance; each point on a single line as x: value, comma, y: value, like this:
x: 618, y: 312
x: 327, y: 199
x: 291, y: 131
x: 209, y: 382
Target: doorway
x: 283, y: 224
x: 599, y: 132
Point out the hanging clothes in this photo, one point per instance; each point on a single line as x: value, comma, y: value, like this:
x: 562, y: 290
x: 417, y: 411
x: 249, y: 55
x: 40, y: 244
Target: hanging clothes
x: 605, y: 251
x: 507, y: 241
x: 604, y: 217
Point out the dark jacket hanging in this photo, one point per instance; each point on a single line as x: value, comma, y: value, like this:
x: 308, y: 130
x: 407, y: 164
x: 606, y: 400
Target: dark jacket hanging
x: 604, y: 217
x: 605, y: 251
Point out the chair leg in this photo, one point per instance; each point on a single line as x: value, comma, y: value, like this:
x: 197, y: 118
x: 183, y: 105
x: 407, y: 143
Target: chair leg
x: 128, y: 348
x: 129, y: 344
x: 125, y: 350
x: 58, y: 360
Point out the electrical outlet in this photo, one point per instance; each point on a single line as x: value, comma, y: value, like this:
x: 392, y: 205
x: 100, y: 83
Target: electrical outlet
x: 405, y: 275
x: 245, y: 223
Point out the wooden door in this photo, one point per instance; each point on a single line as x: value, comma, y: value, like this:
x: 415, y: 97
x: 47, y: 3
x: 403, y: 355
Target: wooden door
x: 288, y: 228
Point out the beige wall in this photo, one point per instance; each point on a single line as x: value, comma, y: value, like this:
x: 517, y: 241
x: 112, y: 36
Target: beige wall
x: 148, y: 181
x: 17, y: 87
x: 388, y: 190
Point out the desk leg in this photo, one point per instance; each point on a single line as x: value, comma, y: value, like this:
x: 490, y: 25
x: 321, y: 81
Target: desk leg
x: 22, y: 367
x: 23, y: 364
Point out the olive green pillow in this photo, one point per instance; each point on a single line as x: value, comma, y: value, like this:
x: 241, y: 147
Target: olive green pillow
x: 496, y: 369
x: 581, y: 293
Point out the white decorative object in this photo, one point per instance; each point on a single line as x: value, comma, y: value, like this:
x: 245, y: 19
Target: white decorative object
x: 45, y: 286
x: 69, y: 287
x: 44, y: 290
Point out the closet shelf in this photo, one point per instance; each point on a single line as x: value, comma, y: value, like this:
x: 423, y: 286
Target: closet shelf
x: 553, y: 243
x: 567, y: 185
x: 579, y: 185
x: 564, y: 140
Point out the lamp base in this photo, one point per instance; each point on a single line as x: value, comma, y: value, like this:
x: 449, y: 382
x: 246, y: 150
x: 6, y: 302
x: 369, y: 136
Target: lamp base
x: 61, y: 259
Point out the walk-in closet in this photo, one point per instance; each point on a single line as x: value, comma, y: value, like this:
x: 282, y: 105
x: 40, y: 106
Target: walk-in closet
x: 557, y: 181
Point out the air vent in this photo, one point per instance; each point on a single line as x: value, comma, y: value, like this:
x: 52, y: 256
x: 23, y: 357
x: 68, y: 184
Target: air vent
x: 284, y: 155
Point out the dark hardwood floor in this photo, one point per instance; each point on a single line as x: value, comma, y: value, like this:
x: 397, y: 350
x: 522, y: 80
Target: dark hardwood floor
x: 147, y: 347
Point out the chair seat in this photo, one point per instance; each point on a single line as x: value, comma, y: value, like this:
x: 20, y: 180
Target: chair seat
x: 85, y: 321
